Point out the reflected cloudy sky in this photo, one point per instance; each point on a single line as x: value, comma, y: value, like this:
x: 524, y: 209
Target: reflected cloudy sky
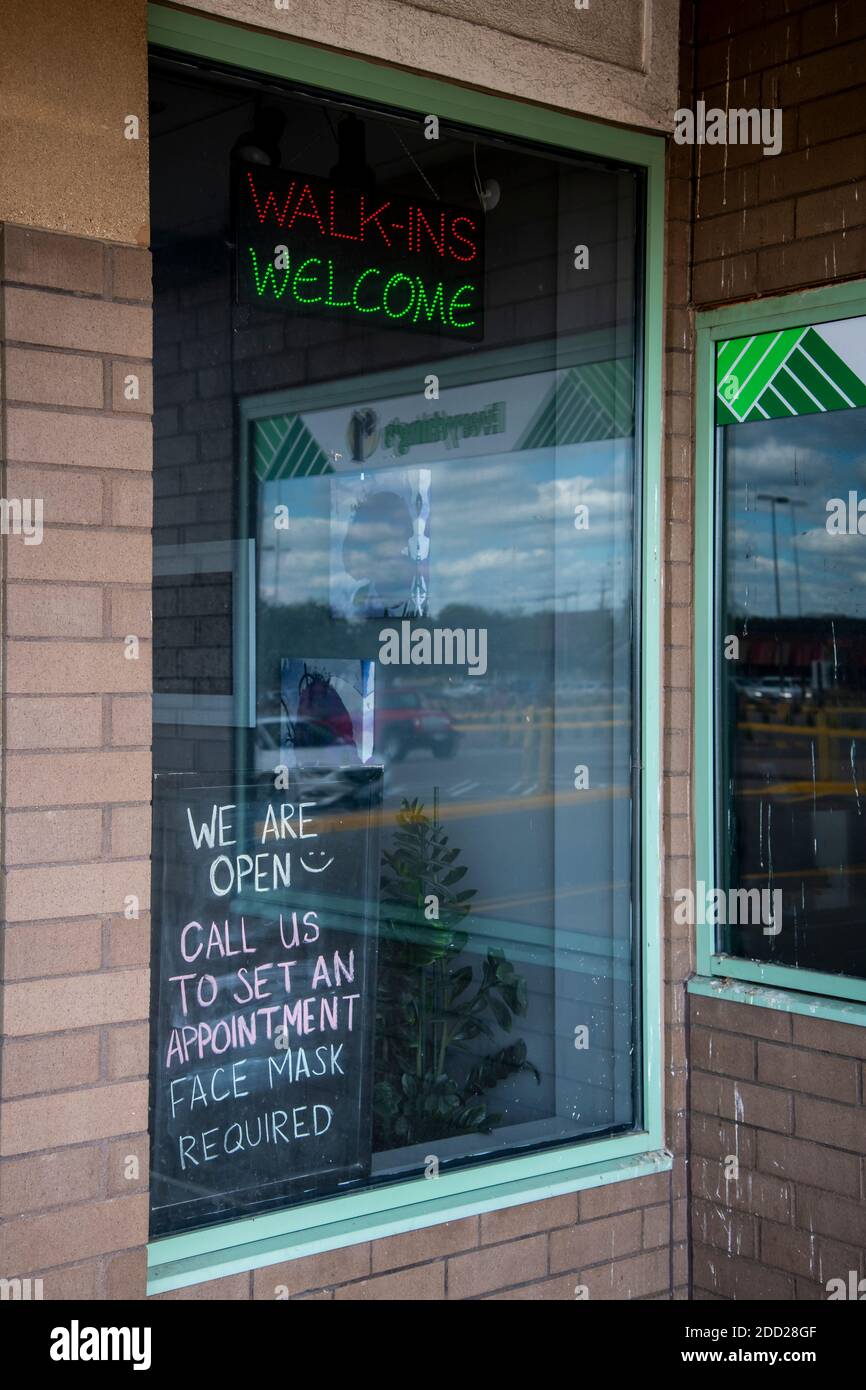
x: 807, y: 461
x: 501, y: 529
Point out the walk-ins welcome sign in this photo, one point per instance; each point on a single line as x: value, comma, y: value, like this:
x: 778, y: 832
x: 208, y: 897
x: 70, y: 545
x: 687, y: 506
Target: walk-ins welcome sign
x: 310, y: 246
x: 265, y: 909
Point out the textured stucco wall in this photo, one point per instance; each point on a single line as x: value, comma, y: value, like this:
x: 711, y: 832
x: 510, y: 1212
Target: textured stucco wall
x: 70, y: 74
x: 617, y: 60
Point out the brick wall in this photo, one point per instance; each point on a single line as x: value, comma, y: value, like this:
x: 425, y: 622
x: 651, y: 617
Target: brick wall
x: 76, y: 785
x: 612, y: 1240
x: 768, y: 224
x: 781, y: 1093
x: 76, y: 829
x: 677, y: 662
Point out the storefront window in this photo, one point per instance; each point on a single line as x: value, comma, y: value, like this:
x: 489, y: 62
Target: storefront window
x: 791, y: 674
x: 397, y: 600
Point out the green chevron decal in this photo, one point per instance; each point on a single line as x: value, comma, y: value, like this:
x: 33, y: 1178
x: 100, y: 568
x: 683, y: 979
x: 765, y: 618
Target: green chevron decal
x: 587, y: 403
x: 283, y: 447
x: 794, y: 371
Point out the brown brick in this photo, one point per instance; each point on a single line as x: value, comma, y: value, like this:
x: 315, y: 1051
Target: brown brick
x: 736, y: 1278
x: 728, y: 191
x: 725, y: 1229
x: 832, y: 117
x: 76, y: 1233
x: 791, y: 1250
x: 831, y: 24
x: 53, y: 378
x: 847, y: 1040
x: 53, y: 948
x: 563, y: 1287
x: 528, y: 1217
x: 595, y: 1241
x: 126, y: 1275
x: 832, y: 1078
x: 76, y: 1001
x: 76, y: 1282
x: 614, y: 1197
x: 129, y: 941
x: 130, y: 721
x: 497, y: 1266
x: 55, y: 262
x: 749, y: 1019
x: 831, y: 1215
x: 131, y: 273
x: 812, y: 261
x: 733, y: 233
x: 130, y: 611
x: 724, y: 1053
x: 808, y: 170
x: 47, y: 837
x: 761, y: 1106
x: 130, y: 831
x: 420, y: 1282
x: 844, y: 1125
x: 52, y: 1179
x: 42, y: 668
x: 627, y: 1279
x: 656, y: 1227
x: 57, y: 723
x: 77, y: 779
x: 429, y: 1243
x: 83, y: 557
x: 804, y: 1162
x: 50, y: 1064
x: 52, y: 610
x: 69, y: 496
x: 758, y: 1193
x: 330, y: 1268
x: 76, y: 890
x: 81, y: 441
x: 128, y: 1050
x: 131, y: 500
x: 125, y: 1157
x: 73, y: 1117
x: 817, y: 214
x: 141, y: 400
x: 52, y: 320
x: 732, y: 277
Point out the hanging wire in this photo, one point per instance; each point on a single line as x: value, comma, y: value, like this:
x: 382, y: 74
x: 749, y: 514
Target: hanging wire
x: 290, y: 162
x: 415, y: 162
x: 479, y: 186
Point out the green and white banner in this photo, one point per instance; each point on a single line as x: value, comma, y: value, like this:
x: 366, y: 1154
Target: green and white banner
x: 793, y: 371
x: 542, y: 410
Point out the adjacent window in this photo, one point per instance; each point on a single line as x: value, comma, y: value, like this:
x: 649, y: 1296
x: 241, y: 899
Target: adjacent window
x: 397, y: 619
x: 790, y: 410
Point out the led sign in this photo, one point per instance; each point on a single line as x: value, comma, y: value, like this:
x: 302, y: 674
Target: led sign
x: 309, y: 246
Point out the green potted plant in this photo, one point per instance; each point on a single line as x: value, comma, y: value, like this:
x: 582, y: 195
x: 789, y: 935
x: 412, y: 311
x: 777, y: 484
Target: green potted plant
x: 434, y: 1016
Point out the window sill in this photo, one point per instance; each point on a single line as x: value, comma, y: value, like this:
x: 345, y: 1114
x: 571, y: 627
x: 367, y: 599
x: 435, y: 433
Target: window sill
x: 783, y: 999
x: 238, y: 1246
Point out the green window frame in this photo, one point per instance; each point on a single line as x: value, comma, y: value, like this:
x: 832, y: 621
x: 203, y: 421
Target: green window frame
x: 809, y: 991
x: 251, y: 1243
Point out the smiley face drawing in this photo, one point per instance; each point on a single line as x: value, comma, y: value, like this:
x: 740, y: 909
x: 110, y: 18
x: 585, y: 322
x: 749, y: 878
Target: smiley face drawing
x: 316, y: 868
